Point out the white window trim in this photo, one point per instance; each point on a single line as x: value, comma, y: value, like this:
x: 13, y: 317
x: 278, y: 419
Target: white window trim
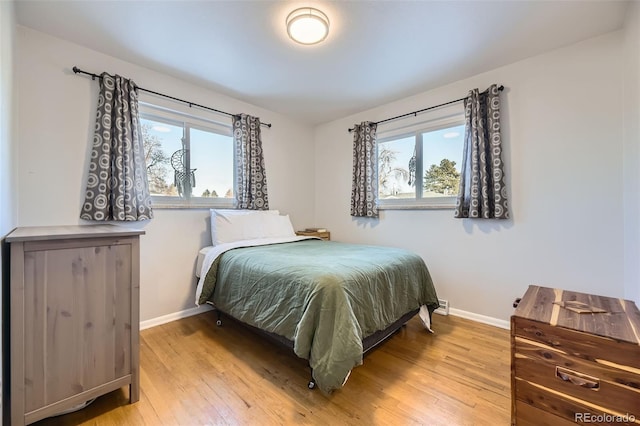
x: 416, y: 129
x: 448, y: 205
x: 162, y: 202
x: 180, y: 116
x: 159, y: 113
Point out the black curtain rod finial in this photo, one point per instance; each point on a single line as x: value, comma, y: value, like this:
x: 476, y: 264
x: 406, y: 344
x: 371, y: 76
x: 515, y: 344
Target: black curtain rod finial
x: 415, y: 113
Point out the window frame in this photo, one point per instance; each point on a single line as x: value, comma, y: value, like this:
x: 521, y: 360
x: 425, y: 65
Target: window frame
x: 416, y: 130
x: 187, y: 122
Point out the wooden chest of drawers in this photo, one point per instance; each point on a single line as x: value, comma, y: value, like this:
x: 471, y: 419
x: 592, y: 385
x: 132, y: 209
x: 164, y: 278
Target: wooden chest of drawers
x: 569, y: 367
x: 74, y: 323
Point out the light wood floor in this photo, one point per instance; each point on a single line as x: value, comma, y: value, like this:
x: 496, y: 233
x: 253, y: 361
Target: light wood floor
x: 195, y: 373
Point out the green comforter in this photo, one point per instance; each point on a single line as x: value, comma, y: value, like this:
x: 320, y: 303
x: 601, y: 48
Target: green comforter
x: 324, y: 296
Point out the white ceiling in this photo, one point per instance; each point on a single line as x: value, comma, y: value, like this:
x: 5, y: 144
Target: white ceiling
x: 376, y: 52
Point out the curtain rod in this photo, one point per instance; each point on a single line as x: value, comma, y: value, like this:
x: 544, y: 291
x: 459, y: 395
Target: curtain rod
x: 191, y: 104
x: 414, y: 113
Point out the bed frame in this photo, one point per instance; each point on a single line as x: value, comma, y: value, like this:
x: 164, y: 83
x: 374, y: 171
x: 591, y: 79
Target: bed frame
x: 368, y: 343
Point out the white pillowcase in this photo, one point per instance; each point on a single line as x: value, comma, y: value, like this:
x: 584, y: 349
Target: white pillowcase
x: 234, y: 225
x: 277, y: 226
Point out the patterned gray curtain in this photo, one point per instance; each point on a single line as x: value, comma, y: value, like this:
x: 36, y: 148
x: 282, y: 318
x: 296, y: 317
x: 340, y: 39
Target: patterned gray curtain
x: 364, y: 189
x: 117, y: 187
x: 483, y: 193
x: 251, y: 177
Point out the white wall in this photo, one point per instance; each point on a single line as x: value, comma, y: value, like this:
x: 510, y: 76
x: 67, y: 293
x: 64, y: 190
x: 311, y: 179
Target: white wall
x: 7, y: 119
x: 567, y: 194
x: 55, y: 120
x: 7, y: 96
x: 7, y: 152
x: 562, y: 130
x: 631, y: 161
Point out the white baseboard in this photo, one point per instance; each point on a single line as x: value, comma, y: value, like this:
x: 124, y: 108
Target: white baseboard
x: 174, y: 316
x: 205, y: 308
x: 480, y: 318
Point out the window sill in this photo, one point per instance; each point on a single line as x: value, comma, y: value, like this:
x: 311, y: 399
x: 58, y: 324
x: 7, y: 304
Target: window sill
x: 417, y: 207
x: 192, y: 205
x: 169, y: 206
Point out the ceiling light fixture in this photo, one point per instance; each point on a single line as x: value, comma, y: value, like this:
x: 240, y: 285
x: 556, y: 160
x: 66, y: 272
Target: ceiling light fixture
x: 307, y: 25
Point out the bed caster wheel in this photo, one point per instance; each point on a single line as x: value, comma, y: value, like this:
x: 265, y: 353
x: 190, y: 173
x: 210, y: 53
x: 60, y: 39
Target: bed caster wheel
x: 219, y: 323
x: 311, y: 385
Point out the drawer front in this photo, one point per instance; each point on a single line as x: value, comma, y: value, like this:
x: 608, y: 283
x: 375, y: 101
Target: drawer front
x: 600, y: 369
x: 577, y: 385
x: 531, y: 396
x: 527, y: 415
x: 579, y: 345
x: 77, y: 321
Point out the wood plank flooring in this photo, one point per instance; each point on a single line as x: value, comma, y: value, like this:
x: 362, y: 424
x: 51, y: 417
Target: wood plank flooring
x: 196, y: 373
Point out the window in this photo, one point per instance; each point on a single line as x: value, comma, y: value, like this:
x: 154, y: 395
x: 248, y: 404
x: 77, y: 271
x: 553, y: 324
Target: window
x: 419, y: 166
x: 190, y: 161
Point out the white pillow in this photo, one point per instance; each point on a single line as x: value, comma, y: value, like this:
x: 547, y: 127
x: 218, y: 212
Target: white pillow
x: 277, y: 226
x: 229, y: 225
x: 238, y: 227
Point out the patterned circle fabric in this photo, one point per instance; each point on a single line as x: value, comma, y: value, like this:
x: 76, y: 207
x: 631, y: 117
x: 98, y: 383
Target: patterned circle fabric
x: 117, y: 187
x: 364, y: 188
x: 251, y: 177
x: 483, y: 193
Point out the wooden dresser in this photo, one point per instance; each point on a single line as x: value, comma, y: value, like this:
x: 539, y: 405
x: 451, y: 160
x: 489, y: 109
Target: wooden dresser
x: 74, y: 317
x: 574, y: 368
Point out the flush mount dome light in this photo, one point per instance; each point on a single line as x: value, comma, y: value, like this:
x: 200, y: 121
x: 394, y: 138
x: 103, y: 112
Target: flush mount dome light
x: 307, y: 25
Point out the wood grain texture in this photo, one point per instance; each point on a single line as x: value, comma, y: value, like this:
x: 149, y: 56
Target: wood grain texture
x: 49, y: 233
x: 325, y: 235
x: 609, y: 396
x: 565, y: 363
x: 620, y: 322
x: 553, y: 357
x: 134, y: 325
x: 16, y: 338
x: 72, y: 312
x: 553, y: 403
x: 193, y: 372
x: 77, y: 325
x: 577, y: 344
x: 531, y: 416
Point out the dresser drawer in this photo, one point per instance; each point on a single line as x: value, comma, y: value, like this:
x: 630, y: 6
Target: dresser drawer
x: 579, y: 385
x: 575, y: 359
x: 74, y: 312
x: 533, y: 400
x: 614, y: 374
x: 531, y: 416
x: 578, y: 344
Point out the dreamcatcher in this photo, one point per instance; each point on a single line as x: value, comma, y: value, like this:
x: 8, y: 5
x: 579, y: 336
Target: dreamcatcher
x: 412, y: 169
x: 180, y: 175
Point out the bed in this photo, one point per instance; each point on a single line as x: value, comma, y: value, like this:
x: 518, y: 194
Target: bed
x: 329, y: 301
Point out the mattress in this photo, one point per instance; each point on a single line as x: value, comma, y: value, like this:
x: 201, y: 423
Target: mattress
x: 324, y: 296
x: 201, y: 255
